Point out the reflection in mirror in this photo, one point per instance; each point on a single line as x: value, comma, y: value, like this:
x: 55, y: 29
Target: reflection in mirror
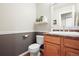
x: 66, y: 20
x: 65, y: 14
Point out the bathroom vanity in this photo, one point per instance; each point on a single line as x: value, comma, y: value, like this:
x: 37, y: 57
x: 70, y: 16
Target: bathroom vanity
x: 61, y: 44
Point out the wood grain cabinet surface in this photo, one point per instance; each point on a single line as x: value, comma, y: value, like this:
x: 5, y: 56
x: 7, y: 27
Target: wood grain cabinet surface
x: 61, y: 46
x: 71, y: 42
x: 71, y: 52
x: 52, y: 39
x: 51, y: 49
x: 51, y: 46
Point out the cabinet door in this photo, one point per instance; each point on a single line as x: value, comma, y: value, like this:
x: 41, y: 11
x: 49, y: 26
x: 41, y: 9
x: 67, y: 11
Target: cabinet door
x: 71, y: 42
x: 51, y: 49
x: 71, y: 52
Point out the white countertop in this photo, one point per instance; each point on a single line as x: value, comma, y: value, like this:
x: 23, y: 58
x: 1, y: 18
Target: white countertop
x: 72, y: 34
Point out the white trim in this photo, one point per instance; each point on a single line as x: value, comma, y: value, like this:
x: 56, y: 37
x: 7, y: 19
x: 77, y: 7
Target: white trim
x: 41, y: 31
x: 24, y: 53
x: 12, y: 32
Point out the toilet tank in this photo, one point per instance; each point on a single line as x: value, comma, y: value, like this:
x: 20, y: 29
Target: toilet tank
x: 39, y: 39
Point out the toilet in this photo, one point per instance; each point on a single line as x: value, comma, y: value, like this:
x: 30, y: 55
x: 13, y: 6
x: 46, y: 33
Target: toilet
x: 34, y: 49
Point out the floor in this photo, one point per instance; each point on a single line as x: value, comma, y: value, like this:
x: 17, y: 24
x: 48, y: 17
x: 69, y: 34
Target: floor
x: 28, y: 54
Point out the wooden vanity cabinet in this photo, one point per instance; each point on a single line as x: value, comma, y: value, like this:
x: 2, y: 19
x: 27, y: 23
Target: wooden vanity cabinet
x: 71, y: 45
x: 51, y: 49
x: 51, y: 46
x: 71, y: 52
x: 61, y: 46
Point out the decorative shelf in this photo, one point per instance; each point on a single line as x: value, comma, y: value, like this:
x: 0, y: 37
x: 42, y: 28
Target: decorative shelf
x: 41, y: 22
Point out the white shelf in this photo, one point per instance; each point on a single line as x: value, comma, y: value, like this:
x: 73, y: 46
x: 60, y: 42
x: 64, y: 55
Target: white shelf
x: 41, y: 22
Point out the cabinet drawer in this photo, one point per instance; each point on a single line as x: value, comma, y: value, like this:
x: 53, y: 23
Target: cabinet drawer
x: 71, y: 52
x: 52, y: 39
x: 71, y: 42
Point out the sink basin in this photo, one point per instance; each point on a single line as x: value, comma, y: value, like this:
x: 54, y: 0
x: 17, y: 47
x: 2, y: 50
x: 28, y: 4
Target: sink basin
x: 73, y: 34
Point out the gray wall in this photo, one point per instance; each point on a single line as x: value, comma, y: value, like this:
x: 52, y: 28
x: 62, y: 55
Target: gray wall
x: 15, y: 44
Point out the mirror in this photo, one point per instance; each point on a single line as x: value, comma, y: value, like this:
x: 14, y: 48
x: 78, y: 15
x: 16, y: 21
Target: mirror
x: 65, y: 15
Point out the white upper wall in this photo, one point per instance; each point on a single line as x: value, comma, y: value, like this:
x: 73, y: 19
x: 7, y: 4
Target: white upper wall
x: 43, y: 9
x: 17, y: 17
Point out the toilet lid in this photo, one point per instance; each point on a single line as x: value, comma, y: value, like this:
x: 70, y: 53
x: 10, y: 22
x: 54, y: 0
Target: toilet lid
x: 33, y: 46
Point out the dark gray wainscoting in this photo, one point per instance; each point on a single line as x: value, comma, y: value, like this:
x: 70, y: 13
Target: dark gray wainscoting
x: 15, y: 44
x: 39, y: 33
